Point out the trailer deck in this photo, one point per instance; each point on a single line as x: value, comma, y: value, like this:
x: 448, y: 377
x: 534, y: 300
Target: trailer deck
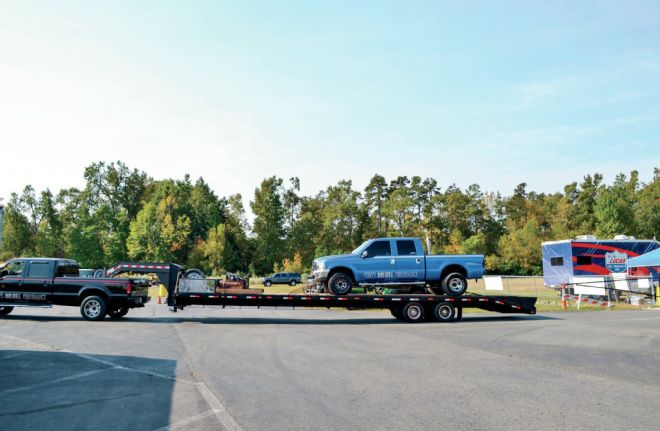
x: 500, y: 304
x: 410, y: 308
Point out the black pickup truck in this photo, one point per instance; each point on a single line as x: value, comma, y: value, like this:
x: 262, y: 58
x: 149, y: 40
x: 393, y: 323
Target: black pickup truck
x: 43, y: 282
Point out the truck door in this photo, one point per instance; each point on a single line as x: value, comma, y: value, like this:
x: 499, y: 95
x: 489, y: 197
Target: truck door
x: 10, y: 283
x: 37, y: 285
x: 379, y: 263
x: 409, y: 263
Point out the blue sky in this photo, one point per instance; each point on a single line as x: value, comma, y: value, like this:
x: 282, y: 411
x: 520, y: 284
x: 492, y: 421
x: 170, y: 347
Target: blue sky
x: 494, y: 93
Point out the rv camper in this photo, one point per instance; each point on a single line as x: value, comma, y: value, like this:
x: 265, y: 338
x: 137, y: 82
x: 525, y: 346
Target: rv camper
x: 589, y: 256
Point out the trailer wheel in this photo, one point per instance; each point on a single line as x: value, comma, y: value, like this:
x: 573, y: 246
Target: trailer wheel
x: 118, y: 313
x: 413, y: 312
x: 5, y: 310
x: 444, y: 312
x: 93, y: 308
x: 196, y: 274
x: 340, y: 283
x: 396, y: 312
x: 454, y: 284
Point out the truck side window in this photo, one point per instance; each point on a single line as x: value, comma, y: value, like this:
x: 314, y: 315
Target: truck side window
x: 39, y: 270
x: 406, y: 248
x: 66, y: 269
x: 379, y: 248
x: 15, y: 268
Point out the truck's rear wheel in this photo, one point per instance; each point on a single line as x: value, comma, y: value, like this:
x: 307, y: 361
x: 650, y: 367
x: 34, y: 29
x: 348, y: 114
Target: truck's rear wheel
x: 118, y: 313
x: 5, y: 310
x: 340, y: 283
x: 292, y: 283
x: 444, y: 312
x: 93, y: 308
x: 413, y: 312
x: 454, y: 284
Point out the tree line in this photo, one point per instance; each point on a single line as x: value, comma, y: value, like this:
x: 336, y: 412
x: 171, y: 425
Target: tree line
x: 122, y: 213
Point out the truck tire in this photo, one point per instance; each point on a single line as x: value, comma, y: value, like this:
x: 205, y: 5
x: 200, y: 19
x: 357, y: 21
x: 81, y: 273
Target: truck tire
x: 444, y: 312
x: 118, y: 313
x: 413, y: 312
x: 93, y: 308
x: 340, y: 283
x: 454, y: 284
x: 196, y: 274
x: 5, y: 310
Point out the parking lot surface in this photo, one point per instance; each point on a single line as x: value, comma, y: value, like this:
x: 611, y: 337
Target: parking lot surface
x: 209, y: 368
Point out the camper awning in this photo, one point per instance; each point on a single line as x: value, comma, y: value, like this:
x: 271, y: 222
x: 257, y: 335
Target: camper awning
x: 649, y: 259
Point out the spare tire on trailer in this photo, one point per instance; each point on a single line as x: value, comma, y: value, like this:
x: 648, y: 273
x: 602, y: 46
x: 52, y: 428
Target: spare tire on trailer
x: 194, y: 273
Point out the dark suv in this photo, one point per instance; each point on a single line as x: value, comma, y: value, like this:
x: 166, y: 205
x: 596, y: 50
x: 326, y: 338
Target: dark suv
x: 290, y: 278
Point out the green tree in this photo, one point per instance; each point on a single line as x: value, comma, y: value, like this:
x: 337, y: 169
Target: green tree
x: 159, y: 233
x: 375, y: 195
x: 268, y: 225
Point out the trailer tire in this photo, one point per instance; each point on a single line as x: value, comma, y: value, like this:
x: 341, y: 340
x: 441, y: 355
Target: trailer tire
x: 413, y: 312
x: 454, y: 284
x: 196, y: 274
x: 444, y: 312
x: 396, y: 312
x: 340, y: 283
x: 93, y: 308
x: 118, y: 313
x: 5, y: 310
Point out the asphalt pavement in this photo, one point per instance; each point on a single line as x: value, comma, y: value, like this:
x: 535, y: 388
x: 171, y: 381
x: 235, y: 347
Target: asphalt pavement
x: 282, y: 369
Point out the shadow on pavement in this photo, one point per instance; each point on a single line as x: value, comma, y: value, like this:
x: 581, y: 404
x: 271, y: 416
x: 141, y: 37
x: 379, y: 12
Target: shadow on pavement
x: 68, y: 391
x: 269, y: 320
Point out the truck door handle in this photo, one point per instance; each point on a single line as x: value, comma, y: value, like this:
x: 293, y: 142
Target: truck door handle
x: 392, y: 261
x: 418, y: 260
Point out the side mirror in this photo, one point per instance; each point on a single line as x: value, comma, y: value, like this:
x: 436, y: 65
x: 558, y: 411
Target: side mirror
x: 365, y: 254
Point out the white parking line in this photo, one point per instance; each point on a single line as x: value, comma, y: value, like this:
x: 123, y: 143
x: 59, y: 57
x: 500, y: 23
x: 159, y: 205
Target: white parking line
x: 50, y: 382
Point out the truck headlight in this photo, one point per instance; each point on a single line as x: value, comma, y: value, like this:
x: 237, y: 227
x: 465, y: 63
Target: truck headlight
x: 321, y: 266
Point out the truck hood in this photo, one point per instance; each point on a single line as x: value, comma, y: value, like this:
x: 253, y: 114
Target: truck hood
x: 327, y: 259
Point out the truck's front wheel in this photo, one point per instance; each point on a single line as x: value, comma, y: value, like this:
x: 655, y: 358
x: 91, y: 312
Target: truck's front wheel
x: 454, y: 284
x: 93, y: 308
x: 5, y: 310
x: 340, y: 283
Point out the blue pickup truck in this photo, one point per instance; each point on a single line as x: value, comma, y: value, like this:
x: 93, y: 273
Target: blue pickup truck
x: 396, y: 263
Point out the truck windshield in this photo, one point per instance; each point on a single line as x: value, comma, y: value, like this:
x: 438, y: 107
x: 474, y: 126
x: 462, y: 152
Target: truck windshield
x: 362, y: 246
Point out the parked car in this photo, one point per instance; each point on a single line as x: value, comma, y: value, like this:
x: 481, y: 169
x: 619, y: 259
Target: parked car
x: 290, y: 278
x: 396, y: 263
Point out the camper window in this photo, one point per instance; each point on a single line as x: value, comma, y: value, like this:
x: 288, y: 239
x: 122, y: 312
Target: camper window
x: 557, y: 261
x: 584, y: 260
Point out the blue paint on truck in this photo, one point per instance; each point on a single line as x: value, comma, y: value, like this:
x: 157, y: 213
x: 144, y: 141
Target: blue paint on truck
x: 393, y: 262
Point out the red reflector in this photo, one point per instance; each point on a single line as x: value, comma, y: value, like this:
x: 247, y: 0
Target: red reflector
x: 129, y: 287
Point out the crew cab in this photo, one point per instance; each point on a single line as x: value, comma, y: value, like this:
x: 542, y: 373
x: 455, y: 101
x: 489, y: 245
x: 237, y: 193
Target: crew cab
x: 43, y: 282
x: 396, y: 263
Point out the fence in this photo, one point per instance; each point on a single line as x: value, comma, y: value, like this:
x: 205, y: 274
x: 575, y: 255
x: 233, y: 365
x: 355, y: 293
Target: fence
x: 590, y: 291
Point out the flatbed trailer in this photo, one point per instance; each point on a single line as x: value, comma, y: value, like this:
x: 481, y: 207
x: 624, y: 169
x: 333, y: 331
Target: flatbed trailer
x: 409, y: 308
